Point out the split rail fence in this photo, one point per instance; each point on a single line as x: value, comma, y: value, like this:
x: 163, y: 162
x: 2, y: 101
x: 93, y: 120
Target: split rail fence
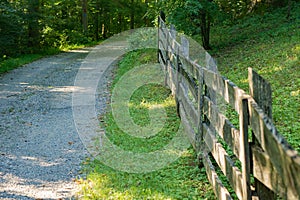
x: 256, y: 160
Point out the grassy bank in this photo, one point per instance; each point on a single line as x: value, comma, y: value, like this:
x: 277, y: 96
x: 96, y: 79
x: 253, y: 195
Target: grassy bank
x: 180, y: 180
x: 7, y: 64
x: 270, y: 44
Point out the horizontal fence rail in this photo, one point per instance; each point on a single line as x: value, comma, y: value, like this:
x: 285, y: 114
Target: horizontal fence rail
x: 257, y: 161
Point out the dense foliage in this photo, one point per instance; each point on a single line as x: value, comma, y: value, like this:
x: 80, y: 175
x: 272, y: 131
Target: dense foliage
x: 30, y: 26
x: 195, y: 17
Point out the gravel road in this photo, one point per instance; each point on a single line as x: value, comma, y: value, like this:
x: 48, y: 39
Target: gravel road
x: 40, y: 149
x: 49, y: 120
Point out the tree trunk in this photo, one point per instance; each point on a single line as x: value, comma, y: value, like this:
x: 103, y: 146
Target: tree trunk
x: 120, y: 20
x: 205, y: 29
x: 97, y: 20
x: 33, y: 24
x: 147, y: 21
x: 84, y: 16
x: 97, y: 26
x: 132, y: 15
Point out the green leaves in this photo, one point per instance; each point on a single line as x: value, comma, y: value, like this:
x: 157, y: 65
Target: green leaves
x: 31, y: 25
x: 194, y: 6
x: 11, y: 29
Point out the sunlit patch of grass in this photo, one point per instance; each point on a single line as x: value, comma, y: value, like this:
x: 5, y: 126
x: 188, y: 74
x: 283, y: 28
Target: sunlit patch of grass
x: 182, y: 179
x: 13, y: 63
x: 140, y: 117
x: 295, y: 93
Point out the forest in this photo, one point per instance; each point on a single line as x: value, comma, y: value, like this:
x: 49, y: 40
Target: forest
x: 261, y: 34
x: 34, y: 26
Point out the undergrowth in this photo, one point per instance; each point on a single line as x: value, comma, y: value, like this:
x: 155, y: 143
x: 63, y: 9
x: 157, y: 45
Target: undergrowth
x: 270, y: 44
x: 180, y: 180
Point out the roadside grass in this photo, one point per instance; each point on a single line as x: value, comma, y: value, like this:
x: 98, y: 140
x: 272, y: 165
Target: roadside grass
x: 270, y: 44
x: 13, y: 63
x: 180, y: 180
x: 7, y: 64
x: 183, y: 179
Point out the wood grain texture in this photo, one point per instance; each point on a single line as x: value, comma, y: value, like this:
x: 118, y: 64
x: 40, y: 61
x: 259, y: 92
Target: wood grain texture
x: 271, y: 160
x: 220, y: 191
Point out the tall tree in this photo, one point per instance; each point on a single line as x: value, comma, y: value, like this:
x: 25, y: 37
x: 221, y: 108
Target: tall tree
x: 58, y: 23
x: 205, y: 24
x: 192, y: 16
x: 84, y: 16
x: 11, y: 30
x: 33, y: 23
x: 132, y: 13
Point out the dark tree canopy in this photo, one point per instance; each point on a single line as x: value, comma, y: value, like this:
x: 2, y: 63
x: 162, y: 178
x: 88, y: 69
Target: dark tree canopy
x: 29, y: 26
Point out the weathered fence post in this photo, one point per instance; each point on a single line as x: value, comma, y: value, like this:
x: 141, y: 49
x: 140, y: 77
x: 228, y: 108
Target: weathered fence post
x: 163, y: 16
x: 178, y: 76
x: 173, y: 31
x: 244, y: 156
x: 184, y: 53
x: 185, y: 47
x: 161, y: 19
x: 211, y: 65
x: 199, y: 135
x: 261, y: 92
x: 171, y: 49
x: 158, y: 37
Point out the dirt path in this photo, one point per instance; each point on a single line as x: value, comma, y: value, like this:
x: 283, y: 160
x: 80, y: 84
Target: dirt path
x: 40, y: 151
x: 48, y: 119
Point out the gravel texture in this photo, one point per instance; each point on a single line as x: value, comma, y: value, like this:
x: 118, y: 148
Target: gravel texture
x: 40, y: 149
x: 49, y: 112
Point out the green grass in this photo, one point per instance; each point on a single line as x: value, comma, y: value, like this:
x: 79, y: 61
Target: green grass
x: 13, y: 63
x: 179, y: 180
x: 270, y: 44
x: 141, y: 100
x: 7, y: 64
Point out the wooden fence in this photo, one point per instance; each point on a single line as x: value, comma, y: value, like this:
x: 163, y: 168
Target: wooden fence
x: 256, y: 160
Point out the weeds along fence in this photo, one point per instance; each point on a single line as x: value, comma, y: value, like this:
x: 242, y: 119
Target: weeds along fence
x: 247, y: 149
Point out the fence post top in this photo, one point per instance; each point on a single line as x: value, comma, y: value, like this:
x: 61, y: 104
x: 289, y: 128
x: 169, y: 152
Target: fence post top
x: 185, y: 47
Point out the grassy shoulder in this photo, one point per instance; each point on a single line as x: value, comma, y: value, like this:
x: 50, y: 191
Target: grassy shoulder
x: 270, y: 44
x: 8, y: 64
x: 181, y: 180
